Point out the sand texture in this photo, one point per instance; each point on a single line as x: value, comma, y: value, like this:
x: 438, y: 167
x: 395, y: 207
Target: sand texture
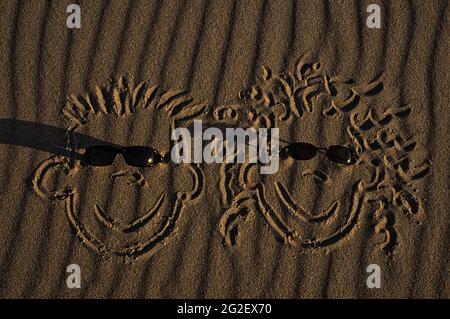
x: 137, y: 69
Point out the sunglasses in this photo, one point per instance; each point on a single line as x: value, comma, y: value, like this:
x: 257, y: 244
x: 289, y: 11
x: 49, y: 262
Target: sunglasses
x: 138, y: 156
x: 305, y: 151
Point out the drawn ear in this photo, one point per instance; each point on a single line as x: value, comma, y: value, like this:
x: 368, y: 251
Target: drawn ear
x: 198, y: 185
x: 52, y: 169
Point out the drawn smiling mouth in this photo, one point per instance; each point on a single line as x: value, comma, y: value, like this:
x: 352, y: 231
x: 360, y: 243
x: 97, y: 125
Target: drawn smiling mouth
x: 131, y: 227
x: 296, y: 210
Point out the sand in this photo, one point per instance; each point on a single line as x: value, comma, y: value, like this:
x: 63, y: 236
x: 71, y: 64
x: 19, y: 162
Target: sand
x: 137, y: 69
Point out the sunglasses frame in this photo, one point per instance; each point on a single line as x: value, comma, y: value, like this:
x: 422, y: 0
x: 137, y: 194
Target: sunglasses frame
x: 325, y: 150
x: 123, y: 151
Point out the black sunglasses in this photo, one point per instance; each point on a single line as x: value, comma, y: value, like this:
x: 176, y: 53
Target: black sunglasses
x: 139, y: 156
x: 305, y: 151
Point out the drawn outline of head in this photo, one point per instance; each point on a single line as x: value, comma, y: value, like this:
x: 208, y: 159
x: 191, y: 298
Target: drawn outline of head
x: 122, y: 99
x: 275, y: 100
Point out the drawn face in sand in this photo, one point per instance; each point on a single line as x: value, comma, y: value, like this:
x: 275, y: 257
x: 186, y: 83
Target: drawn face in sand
x: 141, y: 211
x: 317, y: 203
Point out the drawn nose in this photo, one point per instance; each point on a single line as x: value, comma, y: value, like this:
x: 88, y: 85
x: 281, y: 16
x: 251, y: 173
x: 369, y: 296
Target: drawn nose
x: 316, y: 174
x: 132, y: 176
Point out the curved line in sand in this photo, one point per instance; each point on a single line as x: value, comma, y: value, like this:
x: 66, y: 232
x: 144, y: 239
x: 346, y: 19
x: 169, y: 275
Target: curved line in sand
x: 344, y: 230
x: 295, y: 209
x: 290, y: 237
x: 135, y: 226
x: 133, y: 251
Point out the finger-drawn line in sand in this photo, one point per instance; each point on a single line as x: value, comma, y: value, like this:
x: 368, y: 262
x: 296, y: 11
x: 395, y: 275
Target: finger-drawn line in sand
x: 135, y: 226
x: 295, y: 209
x: 150, y: 231
x: 379, y: 147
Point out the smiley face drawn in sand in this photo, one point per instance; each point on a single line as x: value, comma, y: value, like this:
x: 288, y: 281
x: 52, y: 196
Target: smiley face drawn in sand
x: 141, y: 212
x: 317, y: 203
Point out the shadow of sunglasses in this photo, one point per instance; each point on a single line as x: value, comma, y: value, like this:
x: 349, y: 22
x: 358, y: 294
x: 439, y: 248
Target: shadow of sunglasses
x: 138, y: 156
x: 305, y: 151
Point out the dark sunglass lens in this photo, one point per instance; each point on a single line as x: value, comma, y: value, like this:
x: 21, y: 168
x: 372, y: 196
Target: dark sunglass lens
x: 100, y: 155
x: 339, y: 154
x: 141, y: 156
x: 302, y: 151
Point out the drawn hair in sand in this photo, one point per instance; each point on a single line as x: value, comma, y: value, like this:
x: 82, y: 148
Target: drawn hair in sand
x: 378, y: 145
x: 390, y: 158
x: 277, y: 97
x: 121, y: 98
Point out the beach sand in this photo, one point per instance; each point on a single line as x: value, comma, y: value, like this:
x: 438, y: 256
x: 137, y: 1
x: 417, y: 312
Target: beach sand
x: 137, y: 69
